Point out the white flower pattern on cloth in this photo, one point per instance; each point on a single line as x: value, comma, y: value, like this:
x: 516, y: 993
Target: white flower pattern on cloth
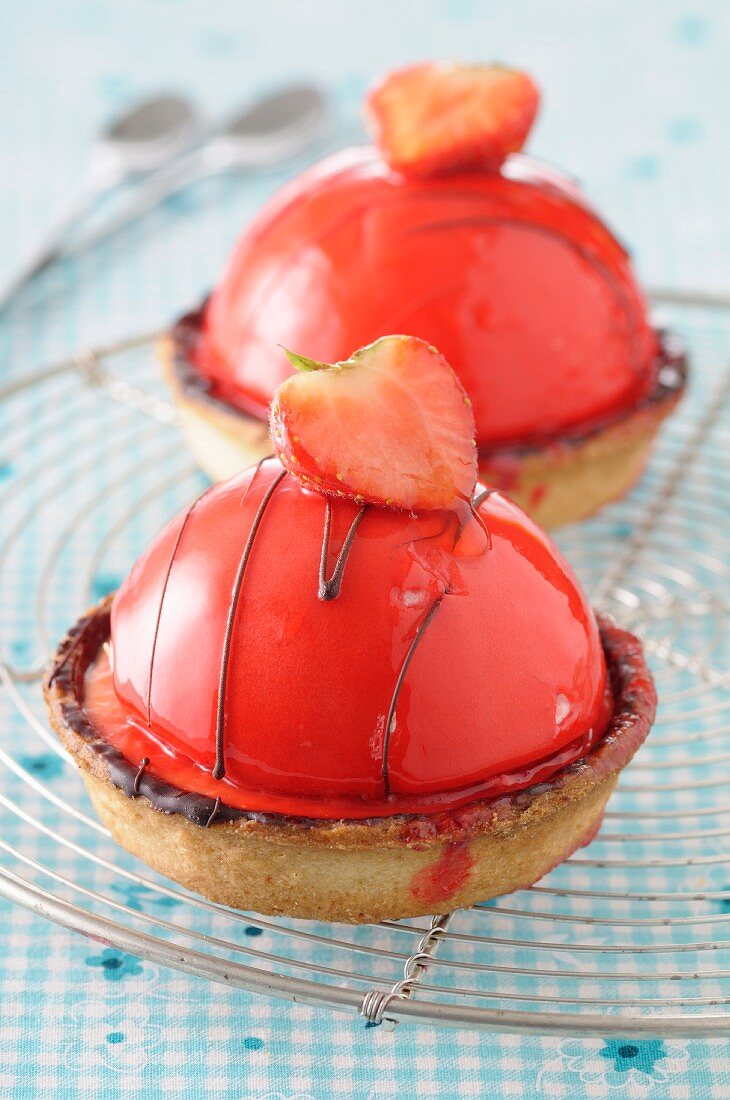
x: 631, y: 1068
x: 120, y: 1038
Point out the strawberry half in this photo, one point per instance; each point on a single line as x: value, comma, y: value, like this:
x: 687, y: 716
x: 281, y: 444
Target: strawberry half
x: 438, y: 117
x: 392, y: 425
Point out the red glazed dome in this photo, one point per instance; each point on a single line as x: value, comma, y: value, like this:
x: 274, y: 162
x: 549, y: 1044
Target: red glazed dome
x: 449, y: 664
x: 509, y: 273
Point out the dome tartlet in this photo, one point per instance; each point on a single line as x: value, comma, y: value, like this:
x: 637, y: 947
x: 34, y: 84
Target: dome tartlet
x: 307, y: 704
x: 503, y: 265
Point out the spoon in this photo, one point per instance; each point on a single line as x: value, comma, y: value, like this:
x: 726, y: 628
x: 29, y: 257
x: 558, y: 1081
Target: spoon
x: 264, y: 134
x: 135, y: 143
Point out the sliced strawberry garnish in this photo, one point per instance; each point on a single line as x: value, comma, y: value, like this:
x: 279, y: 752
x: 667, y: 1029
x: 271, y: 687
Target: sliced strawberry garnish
x: 438, y: 117
x: 392, y: 426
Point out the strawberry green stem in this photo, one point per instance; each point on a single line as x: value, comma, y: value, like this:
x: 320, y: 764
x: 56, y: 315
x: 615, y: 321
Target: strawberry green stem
x: 302, y: 363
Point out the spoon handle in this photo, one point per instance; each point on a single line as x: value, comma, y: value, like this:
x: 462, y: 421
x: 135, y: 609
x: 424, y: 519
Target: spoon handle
x: 279, y: 126
x: 160, y: 185
x: 46, y: 250
x: 210, y: 159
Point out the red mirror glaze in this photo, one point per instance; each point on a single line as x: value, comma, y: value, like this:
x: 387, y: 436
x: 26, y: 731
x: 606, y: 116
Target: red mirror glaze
x: 511, y: 275
x: 509, y: 671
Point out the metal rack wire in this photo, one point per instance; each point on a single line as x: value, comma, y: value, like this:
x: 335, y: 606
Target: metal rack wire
x: 629, y: 935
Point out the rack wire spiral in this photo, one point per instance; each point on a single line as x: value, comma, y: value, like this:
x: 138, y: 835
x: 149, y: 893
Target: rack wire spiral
x: 629, y: 935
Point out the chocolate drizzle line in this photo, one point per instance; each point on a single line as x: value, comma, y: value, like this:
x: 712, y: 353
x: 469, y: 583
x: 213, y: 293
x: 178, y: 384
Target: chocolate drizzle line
x: 330, y: 589
x: 399, y: 684
x: 175, y: 548
x: 474, y: 505
x: 144, y: 762
x: 480, y: 498
x: 213, y: 813
x: 219, y: 769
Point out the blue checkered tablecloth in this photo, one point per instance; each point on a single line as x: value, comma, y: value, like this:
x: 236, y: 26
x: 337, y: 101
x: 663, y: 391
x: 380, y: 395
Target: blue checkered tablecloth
x: 636, y: 104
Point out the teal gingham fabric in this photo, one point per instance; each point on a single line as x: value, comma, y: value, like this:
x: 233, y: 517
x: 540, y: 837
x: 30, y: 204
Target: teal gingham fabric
x: 636, y: 106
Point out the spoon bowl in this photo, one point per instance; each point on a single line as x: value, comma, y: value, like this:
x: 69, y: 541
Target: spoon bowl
x: 141, y: 138
x: 278, y: 126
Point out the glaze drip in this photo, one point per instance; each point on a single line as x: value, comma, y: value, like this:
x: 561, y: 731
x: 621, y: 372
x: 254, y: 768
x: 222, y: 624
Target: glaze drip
x: 219, y: 769
x: 329, y: 588
x: 390, y: 717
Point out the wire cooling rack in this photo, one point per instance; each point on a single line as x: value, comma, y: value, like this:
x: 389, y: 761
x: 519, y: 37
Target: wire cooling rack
x: 628, y: 936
